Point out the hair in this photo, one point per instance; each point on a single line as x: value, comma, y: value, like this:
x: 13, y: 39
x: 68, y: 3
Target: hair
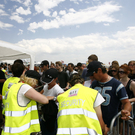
x: 117, y: 69
x: 125, y: 68
x: 75, y: 78
x: 17, y: 69
x: 115, y: 66
x: 45, y: 62
x: 59, y: 63
x: 115, y: 63
x: 18, y: 61
x: 28, y: 80
x: 103, y: 68
x: 79, y: 64
x: 72, y: 65
x: 5, y: 67
x: 93, y: 57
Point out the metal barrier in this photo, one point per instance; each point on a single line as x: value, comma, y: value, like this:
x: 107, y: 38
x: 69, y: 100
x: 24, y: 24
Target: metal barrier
x: 127, y: 126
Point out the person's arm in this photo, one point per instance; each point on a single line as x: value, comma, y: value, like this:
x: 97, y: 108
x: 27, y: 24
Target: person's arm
x: 99, y: 115
x: 2, y: 80
x: 34, y: 95
x: 42, y: 91
x: 125, y: 112
x: 132, y: 100
x: 132, y: 87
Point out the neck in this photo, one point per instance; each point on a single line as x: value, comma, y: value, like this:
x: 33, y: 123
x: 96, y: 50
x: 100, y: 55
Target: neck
x: 105, y: 78
x: 124, y: 79
x: 60, y: 70
x: 51, y: 85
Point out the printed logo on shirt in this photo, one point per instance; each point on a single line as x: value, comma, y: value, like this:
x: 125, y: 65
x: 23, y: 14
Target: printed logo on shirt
x: 73, y: 93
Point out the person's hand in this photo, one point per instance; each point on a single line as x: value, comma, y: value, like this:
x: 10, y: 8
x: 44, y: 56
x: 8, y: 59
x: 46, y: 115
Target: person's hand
x: 125, y: 114
x: 50, y: 97
x: 0, y: 97
x: 106, y: 130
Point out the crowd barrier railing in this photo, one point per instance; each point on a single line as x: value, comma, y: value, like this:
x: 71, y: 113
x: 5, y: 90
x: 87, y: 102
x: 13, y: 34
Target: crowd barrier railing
x: 128, y: 127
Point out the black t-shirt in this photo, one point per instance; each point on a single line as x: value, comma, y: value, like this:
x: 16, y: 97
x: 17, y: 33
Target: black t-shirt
x: 2, y: 76
x: 63, y: 79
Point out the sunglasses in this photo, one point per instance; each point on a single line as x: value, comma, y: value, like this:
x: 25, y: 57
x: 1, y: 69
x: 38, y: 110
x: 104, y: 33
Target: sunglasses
x: 113, y: 70
x: 121, y: 72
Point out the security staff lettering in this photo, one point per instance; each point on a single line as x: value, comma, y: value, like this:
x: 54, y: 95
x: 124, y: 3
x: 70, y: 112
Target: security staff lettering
x: 72, y: 102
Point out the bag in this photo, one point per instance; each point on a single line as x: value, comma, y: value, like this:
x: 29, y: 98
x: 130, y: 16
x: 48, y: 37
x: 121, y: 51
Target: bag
x: 50, y: 111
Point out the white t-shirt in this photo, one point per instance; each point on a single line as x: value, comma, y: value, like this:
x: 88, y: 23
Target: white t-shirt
x: 22, y: 100
x: 99, y: 100
x: 54, y: 91
x: 87, y: 83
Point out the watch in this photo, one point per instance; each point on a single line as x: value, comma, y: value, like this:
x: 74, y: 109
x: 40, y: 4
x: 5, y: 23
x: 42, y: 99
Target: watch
x: 54, y: 99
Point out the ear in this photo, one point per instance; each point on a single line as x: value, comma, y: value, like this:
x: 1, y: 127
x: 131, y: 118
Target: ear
x: 99, y: 70
x: 56, y: 79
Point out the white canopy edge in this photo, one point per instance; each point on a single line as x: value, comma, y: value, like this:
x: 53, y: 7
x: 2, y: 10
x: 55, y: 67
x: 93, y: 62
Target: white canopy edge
x: 10, y: 51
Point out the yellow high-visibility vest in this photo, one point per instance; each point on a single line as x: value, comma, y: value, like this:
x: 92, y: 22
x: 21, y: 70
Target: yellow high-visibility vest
x: 7, y: 84
x: 19, y: 120
x: 76, y: 113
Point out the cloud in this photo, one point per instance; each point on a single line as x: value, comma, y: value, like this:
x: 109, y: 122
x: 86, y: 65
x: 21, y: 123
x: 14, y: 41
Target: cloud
x: 106, y: 24
x: 72, y: 10
x: 17, y: 18
x: 62, y: 12
x: 3, y: 13
x: 17, y: 1
x: 5, y: 25
x: 1, y: 6
x: 115, y: 47
x: 21, y: 11
x: 45, y: 6
x: 26, y: 3
x: 76, y: 1
x: 20, y: 32
x: 54, y: 14
x: 97, y: 14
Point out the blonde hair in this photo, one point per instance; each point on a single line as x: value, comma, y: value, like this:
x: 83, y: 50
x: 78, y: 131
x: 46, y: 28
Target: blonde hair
x: 30, y: 81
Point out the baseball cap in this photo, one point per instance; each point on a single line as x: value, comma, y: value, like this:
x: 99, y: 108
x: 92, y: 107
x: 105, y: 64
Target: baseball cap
x: 33, y: 74
x: 93, y: 67
x: 45, y: 62
x: 49, y: 75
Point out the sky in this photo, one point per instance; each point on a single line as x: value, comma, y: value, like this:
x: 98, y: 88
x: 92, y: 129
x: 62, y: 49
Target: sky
x: 71, y: 30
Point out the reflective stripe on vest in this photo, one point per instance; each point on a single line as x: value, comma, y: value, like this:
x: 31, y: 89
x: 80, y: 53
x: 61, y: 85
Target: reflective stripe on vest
x: 73, y: 131
x: 22, y: 128
x: 20, y: 113
x: 78, y: 111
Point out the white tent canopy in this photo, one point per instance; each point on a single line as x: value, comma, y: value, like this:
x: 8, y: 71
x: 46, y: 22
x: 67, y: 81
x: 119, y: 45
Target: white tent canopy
x: 9, y: 51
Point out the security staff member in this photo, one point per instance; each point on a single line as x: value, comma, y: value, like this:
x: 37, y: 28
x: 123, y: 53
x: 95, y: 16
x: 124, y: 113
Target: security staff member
x: 21, y: 115
x: 79, y: 110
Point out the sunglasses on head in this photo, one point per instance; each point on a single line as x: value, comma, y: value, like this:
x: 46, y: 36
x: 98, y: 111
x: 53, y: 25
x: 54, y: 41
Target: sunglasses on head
x: 113, y: 70
x: 121, y: 72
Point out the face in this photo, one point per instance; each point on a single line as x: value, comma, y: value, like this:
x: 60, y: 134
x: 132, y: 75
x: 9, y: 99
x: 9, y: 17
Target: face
x: 122, y: 73
x: 44, y: 67
x: 57, y: 67
x: 131, y: 65
x: 114, y: 71
x: 89, y: 60
x: 70, y: 68
x: 96, y: 76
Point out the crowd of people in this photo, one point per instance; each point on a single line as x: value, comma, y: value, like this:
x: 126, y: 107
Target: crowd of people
x: 64, y: 99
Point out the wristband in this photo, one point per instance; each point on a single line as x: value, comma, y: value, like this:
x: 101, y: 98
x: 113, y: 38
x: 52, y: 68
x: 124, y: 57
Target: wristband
x: 54, y: 99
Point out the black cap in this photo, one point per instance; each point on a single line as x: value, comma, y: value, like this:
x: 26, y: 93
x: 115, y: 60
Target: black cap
x: 93, y: 67
x: 49, y: 75
x: 45, y: 62
x: 33, y: 74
